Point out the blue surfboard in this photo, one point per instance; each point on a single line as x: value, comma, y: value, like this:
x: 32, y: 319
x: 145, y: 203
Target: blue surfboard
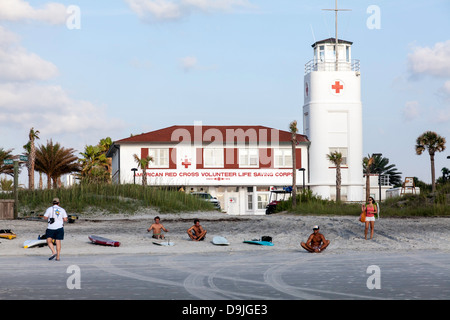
x: 258, y: 242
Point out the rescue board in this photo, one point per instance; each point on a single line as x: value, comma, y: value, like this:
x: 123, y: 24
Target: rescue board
x: 103, y: 241
x: 220, y: 241
x: 34, y: 243
x: 259, y: 242
x: 7, y: 234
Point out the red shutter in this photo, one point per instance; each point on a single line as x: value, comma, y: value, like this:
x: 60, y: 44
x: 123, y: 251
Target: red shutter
x: 231, y: 160
x: 298, y: 158
x: 199, y: 153
x: 266, y: 158
x: 144, y: 153
x: 172, y: 158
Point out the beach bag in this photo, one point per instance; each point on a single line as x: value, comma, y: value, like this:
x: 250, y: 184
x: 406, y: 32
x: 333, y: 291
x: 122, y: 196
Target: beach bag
x: 362, y: 217
x: 266, y: 238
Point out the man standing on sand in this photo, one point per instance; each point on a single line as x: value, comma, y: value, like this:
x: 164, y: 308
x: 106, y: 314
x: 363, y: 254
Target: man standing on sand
x: 56, y: 217
x: 316, y: 242
x: 197, y: 232
x: 157, y: 227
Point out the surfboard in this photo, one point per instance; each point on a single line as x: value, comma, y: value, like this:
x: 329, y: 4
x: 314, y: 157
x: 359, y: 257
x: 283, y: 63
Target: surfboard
x: 220, y: 241
x: 34, y: 243
x: 103, y: 241
x: 258, y: 242
x: 7, y: 234
x: 163, y: 243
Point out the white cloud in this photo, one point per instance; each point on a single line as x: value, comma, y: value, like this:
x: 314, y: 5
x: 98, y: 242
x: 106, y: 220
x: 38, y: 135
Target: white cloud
x: 163, y: 10
x: 155, y: 9
x: 19, y: 10
x: 19, y: 65
x: 411, y: 110
x: 431, y: 61
x: 188, y: 63
x: 50, y: 109
x: 25, y: 101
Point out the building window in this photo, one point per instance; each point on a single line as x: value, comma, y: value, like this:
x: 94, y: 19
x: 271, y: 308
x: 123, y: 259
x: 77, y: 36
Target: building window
x: 213, y: 158
x: 344, y: 152
x: 322, y: 53
x: 248, y: 158
x: 263, y: 200
x: 160, y: 158
x: 283, y: 158
x: 250, y: 202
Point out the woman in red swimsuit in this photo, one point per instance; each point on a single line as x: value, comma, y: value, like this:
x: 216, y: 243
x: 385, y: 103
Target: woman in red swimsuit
x: 371, y: 210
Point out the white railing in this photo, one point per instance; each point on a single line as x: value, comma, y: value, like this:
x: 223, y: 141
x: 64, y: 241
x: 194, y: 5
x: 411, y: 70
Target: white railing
x: 315, y: 65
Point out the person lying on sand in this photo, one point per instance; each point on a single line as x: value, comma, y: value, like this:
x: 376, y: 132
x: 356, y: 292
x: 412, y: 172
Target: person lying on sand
x: 197, y: 232
x: 157, y: 227
x: 316, y: 241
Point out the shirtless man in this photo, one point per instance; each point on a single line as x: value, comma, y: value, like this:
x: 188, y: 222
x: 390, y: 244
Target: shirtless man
x: 316, y: 241
x: 157, y: 227
x: 197, y: 232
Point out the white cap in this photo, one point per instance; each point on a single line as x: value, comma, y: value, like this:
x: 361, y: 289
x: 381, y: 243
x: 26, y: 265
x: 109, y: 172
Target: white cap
x: 315, y: 227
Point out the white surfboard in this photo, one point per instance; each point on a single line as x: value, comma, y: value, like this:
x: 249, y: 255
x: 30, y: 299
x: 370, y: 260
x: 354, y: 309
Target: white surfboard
x: 220, y: 241
x: 163, y: 243
x: 34, y: 243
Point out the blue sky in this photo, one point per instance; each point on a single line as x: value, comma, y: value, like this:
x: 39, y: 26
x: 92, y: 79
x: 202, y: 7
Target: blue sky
x: 132, y: 66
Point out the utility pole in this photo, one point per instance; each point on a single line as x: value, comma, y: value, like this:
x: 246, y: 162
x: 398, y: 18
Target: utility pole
x: 16, y: 183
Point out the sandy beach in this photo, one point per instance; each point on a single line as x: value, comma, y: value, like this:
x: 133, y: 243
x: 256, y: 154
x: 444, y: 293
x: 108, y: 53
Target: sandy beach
x: 346, y: 234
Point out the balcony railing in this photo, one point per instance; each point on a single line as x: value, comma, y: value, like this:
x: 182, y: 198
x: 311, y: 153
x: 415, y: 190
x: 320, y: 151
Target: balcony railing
x: 315, y: 65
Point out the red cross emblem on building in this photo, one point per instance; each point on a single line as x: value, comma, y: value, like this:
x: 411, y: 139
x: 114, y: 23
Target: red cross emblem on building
x: 186, y: 163
x: 337, y: 86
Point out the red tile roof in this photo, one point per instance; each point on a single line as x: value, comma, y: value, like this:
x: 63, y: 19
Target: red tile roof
x: 178, y: 134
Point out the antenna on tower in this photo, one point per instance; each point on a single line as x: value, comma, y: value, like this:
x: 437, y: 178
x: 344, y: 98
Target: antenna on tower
x: 312, y: 31
x: 336, y: 10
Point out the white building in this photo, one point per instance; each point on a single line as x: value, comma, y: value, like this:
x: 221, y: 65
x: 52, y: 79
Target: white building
x: 237, y: 164
x: 332, y: 119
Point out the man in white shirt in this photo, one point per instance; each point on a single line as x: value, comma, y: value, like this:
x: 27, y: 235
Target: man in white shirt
x: 56, y: 217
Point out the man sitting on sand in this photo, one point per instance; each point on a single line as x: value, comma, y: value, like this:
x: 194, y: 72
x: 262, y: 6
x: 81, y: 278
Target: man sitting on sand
x: 197, y: 232
x: 157, y: 227
x: 316, y: 241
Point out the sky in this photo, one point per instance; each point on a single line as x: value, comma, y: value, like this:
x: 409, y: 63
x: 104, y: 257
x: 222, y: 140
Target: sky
x: 82, y: 70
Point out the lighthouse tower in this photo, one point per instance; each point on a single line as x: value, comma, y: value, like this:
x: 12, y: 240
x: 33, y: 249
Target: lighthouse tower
x: 332, y: 119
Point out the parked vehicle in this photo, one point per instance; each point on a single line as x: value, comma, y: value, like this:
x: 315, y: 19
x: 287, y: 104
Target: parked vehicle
x: 276, y: 196
x: 207, y: 197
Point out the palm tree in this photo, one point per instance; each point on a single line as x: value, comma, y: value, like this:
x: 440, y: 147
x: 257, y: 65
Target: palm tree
x: 55, y: 161
x: 6, y: 168
x: 381, y: 166
x: 93, y: 165
x: 104, y: 145
x: 434, y: 143
x: 293, y: 130
x: 32, y: 157
x: 6, y: 185
x: 143, y: 163
x: 336, y: 158
x: 367, y: 165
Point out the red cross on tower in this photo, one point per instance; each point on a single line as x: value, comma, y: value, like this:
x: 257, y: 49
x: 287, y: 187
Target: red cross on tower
x: 337, y: 86
x: 186, y: 163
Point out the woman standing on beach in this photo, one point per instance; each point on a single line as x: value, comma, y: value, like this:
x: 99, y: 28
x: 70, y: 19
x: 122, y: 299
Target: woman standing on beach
x: 370, y: 209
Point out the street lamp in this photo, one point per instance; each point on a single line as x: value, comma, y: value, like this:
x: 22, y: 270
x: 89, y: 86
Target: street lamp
x: 134, y: 175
